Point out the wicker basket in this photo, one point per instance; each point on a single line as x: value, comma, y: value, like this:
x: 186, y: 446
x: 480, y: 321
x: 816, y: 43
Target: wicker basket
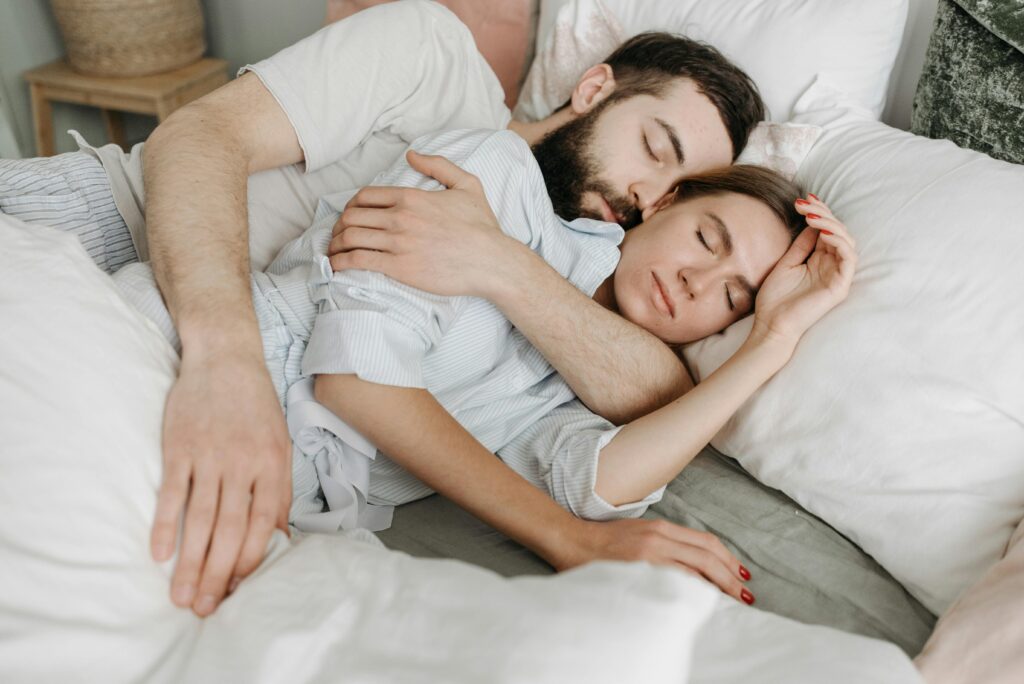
x: 130, y: 37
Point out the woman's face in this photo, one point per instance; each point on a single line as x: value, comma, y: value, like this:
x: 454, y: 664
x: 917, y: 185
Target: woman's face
x: 692, y: 268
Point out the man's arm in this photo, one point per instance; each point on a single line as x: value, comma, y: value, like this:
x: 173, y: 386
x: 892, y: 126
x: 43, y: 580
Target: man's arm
x: 417, y: 433
x: 450, y: 243
x: 224, y: 433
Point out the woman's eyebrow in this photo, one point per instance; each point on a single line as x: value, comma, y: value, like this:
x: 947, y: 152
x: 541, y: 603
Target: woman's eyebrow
x: 674, y: 139
x: 726, y: 238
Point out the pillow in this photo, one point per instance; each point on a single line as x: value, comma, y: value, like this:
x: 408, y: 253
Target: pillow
x: 979, y: 639
x: 782, y: 44
x: 83, y: 386
x: 899, y: 419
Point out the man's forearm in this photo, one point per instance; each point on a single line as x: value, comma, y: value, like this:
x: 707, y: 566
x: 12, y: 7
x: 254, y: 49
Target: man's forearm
x: 649, y: 452
x: 617, y: 369
x: 418, y: 434
x: 196, y: 218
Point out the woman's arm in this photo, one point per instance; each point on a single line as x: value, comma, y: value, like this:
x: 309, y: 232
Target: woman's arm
x: 803, y: 287
x: 417, y: 433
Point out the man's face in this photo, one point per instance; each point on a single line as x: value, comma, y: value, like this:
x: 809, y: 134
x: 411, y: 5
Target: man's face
x: 622, y: 156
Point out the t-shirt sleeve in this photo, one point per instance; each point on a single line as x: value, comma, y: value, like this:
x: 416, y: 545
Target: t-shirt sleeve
x: 404, y: 68
x: 559, y: 453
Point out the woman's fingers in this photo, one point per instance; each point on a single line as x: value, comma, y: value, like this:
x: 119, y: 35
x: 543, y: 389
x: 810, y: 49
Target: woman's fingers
x: 709, y: 566
x: 708, y: 542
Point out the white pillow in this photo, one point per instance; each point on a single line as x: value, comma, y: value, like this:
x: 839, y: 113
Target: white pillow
x: 83, y: 384
x: 782, y: 44
x: 900, y: 419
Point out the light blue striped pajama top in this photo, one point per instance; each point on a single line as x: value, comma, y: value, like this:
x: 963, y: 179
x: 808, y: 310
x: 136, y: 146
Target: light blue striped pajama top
x: 462, y: 349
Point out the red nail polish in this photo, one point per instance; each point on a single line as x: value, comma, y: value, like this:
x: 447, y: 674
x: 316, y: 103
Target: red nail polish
x: 744, y: 573
x: 813, y: 196
x: 802, y: 203
x: 826, y: 232
x: 747, y: 597
x: 813, y: 216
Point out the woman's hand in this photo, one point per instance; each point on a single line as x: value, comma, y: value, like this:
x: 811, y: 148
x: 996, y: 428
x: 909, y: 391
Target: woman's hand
x: 810, y: 279
x: 662, y: 543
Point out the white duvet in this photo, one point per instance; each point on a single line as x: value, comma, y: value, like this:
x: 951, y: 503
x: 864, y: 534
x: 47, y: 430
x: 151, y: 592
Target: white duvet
x: 83, y: 379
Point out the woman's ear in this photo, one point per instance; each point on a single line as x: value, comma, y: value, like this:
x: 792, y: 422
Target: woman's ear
x: 596, y: 84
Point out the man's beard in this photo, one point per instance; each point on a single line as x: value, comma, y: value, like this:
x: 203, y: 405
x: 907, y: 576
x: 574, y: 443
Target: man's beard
x: 568, y: 163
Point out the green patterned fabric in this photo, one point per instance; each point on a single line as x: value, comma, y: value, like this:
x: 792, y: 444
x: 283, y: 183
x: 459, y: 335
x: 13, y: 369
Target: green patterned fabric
x: 972, y: 88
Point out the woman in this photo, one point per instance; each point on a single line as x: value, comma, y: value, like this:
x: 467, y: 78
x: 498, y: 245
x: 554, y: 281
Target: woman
x: 363, y: 337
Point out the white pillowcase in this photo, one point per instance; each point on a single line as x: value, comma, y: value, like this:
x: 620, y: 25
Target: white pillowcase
x: 782, y: 44
x: 900, y: 419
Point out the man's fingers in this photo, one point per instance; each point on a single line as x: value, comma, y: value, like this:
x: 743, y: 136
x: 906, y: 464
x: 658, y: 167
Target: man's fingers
x: 362, y: 259
x: 438, y: 168
x: 199, y: 517
x: 379, y: 196
x: 358, y: 237
x: 263, y: 517
x: 232, y: 521
x: 284, y: 488
x: 169, y: 504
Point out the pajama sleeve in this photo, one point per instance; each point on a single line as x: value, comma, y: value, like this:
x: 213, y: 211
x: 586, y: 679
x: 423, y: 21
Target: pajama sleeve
x: 559, y: 454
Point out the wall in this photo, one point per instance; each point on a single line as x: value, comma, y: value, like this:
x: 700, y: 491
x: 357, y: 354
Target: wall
x: 909, y: 62
x: 240, y: 31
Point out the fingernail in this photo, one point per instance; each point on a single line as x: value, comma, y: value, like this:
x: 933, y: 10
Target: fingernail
x: 744, y: 573
x: 825, y: 232
x: 813, y: 196
x: 802, y: 202
x: 813, y: 216
x: 234, y: 585
x: 183, y: 594
x: 206, y: 604
x: 747, y: 597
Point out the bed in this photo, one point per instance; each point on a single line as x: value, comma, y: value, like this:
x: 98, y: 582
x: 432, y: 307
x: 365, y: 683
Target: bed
x: 895, y: 502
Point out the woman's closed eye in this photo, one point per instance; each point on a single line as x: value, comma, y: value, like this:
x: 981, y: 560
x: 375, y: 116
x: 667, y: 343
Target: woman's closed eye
x: 728, y: 299
x: 700, y: 236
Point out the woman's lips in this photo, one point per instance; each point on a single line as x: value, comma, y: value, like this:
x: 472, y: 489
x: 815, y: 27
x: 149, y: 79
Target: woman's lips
x: 661, y: 299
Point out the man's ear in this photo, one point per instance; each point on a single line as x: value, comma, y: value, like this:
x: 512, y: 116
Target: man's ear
x: 594, y: 86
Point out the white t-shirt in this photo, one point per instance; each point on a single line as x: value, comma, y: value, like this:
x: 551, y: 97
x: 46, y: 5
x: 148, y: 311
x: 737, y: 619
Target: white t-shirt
x: 357, y: 93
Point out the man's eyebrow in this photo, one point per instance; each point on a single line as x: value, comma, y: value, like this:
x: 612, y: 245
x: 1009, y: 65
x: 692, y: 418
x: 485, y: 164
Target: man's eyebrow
x: 726, y: 238
x: 674, y: 139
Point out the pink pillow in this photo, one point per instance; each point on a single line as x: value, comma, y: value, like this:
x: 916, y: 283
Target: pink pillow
x: 981, y: 637
x: 500, y: 27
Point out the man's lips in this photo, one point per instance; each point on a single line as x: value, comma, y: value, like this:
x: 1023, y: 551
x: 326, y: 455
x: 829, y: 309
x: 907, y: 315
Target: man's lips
x: 661, y: 299
x: 607, y: 213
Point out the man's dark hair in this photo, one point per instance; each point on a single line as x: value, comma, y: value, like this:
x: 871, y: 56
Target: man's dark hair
x: 647, y: 64
x: 764, y: 185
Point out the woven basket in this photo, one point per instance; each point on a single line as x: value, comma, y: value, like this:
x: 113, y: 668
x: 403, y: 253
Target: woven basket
x: 130, y: 37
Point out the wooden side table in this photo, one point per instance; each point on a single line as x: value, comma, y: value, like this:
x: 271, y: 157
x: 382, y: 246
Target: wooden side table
x: 157, y: 95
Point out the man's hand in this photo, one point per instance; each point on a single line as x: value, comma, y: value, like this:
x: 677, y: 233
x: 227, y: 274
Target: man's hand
x: 446, y: 242
x: 662, y: 543
x: 225, y: 435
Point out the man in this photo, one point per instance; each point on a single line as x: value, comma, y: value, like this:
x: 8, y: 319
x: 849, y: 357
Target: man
x: 346, y: 102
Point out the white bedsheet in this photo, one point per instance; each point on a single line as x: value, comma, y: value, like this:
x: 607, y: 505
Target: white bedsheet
x: 83, y: 380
